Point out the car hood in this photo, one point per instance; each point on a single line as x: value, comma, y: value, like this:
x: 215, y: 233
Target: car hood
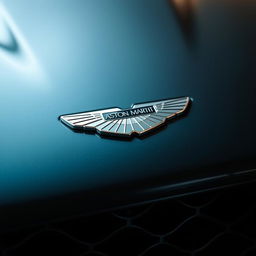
x: 59, y: 57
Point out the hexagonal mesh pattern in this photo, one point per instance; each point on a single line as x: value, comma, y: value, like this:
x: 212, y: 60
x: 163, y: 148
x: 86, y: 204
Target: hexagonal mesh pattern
x: 212, y: 223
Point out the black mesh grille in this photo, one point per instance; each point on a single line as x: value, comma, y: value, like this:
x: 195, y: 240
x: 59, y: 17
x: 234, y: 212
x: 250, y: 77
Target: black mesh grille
x: 212, y: 223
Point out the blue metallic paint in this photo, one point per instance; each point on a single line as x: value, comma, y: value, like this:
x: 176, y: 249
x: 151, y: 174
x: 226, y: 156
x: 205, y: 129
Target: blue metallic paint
x: 91, y: 54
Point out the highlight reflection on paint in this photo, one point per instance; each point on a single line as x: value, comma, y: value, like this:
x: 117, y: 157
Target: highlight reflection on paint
x: 15, y: 50
x: 185, y: 12
x: 185, y: 6
x: 12, y: 46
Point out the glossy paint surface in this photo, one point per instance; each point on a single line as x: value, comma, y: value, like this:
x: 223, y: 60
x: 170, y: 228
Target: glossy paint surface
x: 66, y: 56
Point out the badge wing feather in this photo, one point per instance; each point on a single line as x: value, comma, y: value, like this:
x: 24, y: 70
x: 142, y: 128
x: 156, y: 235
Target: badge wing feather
x: 140, y: 124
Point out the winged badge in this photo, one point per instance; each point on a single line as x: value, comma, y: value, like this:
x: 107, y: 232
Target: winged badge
x: 139, y: 119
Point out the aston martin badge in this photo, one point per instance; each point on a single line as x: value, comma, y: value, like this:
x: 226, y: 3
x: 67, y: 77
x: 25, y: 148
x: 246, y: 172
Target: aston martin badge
x: 139, y: 119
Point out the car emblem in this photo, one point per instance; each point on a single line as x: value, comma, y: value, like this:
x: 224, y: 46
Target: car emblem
x: 139, y: 119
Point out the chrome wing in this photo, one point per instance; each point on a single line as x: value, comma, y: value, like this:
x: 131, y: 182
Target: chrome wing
x: 140, y: 118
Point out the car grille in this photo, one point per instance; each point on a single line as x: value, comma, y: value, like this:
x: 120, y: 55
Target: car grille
x: 211, y: 223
